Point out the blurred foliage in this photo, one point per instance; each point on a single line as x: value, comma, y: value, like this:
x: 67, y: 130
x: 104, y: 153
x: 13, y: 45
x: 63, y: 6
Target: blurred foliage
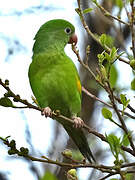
x: 48, y: 176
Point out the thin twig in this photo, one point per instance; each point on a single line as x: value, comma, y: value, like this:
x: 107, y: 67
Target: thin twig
x: 95, y: 98
x: 79, y: 11
x: 24, y: 152
x: 132, y: 26
x: 107, y: 104
x: 81, y: 62
x: 129, y: 106
x: 124, y: 127
x: 127, y: 150
x: 54, y: 114
x: 107, y: 176
x: 18, y: 99
x: 107, y: 14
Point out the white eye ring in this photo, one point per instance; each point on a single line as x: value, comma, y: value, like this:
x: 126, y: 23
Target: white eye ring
x: 68, y: 30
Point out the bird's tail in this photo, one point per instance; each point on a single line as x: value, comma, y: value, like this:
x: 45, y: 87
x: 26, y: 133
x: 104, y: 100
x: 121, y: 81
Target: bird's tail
x: 80, y: 140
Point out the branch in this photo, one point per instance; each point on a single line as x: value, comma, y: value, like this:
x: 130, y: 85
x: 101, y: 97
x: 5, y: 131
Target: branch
x: 81, y: 62
x: 56, y: 114
x: 80, y: 13
x: 124, y: 127
x: 132, y: 21
x: 24, y: 152
x: 108, y: 89
x: 129, y: 106
x: 107, y: 14
x: 107, y: 104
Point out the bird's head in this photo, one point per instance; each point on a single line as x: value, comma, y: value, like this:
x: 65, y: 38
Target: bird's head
x: 57, y: 31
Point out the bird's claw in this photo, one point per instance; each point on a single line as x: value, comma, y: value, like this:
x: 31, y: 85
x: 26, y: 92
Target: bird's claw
x: 78, y: 122
x: 47, y: 112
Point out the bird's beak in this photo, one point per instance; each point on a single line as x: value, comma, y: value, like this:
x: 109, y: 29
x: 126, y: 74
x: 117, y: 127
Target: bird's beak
x: 73, y: 39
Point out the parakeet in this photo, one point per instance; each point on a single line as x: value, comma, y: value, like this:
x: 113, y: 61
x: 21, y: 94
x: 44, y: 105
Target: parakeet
x: 55, y: 81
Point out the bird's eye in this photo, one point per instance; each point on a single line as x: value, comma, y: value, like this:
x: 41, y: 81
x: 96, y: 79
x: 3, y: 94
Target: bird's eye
x: 67, y: 30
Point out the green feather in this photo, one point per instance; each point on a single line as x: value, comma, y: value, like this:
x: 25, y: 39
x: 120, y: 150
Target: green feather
x: 54, y: 78
x: 51, y: 34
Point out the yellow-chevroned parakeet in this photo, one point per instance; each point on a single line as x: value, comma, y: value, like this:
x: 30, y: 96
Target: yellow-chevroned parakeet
x: 54, y: 79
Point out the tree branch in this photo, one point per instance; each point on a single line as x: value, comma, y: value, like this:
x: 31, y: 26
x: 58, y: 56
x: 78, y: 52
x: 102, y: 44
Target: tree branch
x: 80, y: 13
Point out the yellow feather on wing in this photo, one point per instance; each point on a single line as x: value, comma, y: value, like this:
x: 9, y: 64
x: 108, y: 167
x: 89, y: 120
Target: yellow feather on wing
x: 79, y: 87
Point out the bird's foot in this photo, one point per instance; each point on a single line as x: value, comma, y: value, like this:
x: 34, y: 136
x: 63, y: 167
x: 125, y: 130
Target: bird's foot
x: 78, y: 122
x: 47, y: 112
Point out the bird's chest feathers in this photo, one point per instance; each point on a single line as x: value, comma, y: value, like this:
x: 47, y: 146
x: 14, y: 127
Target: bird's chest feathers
x: 58, y: 84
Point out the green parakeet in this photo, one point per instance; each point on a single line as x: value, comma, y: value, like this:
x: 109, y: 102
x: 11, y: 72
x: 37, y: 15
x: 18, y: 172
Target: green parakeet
x: 54, y: 78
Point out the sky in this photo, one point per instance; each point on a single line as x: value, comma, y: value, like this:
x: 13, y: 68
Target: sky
x: 24, y: 27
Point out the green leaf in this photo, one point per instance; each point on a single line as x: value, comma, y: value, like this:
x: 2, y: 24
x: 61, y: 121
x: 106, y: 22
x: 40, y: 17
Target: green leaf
x: 113, y: 53
x: 94, y: 1
x: 127, y: 103
x: 113, y: 76
x: 108, y: 57
x: 112, y: 139
x: 125, y: 140
x: 109, y: 41
x: 103, y: 72
x: 129, y: 176
x: 88, y: 10
x: 106, y: 113
x: 133, y: 84
x: 6, y: 102
x: 123, y: 99
x: 115, y: 144
x: 132, y: 64
x: 103, y: 39
x: 106, y: 40
x: 67, y: 153
x: 72, y: 174
x: 77, y: 155
x: 48, y: 176
x: 119, y: 3
x: 101, y: 58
